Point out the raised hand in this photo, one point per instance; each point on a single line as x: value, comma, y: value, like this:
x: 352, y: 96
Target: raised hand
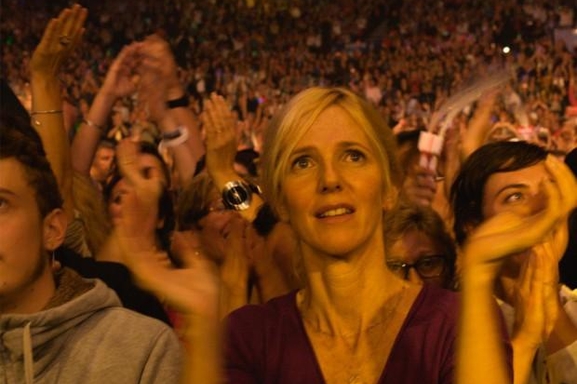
x: 120, y: 78
x: 140, y: 204
x: 158, y: 58
x: 221, y: 141
x: 192, y: 289
x: 419, y: 186
x: 536, y: 299
x: 61, y: 36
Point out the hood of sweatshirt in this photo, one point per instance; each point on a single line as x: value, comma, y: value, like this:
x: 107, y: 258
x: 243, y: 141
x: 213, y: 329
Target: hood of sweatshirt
x: 29, y: 337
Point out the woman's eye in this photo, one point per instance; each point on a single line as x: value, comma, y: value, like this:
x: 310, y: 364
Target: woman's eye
x: 301, y: 162
x: 514, y: 197
x: 355, y: 156
x: 117, y: 199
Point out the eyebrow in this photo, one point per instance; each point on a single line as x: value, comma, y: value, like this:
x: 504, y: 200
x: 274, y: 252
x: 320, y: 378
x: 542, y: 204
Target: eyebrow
x: 512, y: 186
x: 7, y: 192
x: 342, y: 144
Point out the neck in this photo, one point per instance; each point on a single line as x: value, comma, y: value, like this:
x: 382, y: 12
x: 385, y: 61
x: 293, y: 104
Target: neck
x: 348, y: 294
x: 30, y: 298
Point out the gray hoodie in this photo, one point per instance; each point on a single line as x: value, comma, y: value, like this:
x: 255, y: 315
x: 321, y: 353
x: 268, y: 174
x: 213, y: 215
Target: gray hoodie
x: 87, y: 339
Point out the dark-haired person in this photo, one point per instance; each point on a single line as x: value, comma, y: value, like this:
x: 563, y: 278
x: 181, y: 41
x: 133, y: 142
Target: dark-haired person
x: 55, y: 326
x: 420, y: 248
x: 510, y: 178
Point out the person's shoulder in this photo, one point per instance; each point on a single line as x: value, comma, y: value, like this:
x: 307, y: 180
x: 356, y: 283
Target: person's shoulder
x: 273, y: 309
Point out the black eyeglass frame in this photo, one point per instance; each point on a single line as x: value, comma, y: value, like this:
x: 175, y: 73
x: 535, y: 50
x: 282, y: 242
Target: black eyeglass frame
x: 400, y: 267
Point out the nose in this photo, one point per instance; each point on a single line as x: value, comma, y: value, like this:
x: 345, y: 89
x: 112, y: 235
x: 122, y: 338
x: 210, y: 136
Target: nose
x: 329, y: 179
x: 537, y: 201
x: 414, y: 277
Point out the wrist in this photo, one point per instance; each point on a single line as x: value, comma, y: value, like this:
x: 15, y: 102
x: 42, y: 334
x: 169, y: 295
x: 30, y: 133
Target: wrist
x: 42, y: 79
x: 179, y: 102
x: 173, y: 138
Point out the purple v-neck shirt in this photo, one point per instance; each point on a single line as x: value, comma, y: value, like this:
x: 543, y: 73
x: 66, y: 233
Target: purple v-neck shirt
x: 268, y: 343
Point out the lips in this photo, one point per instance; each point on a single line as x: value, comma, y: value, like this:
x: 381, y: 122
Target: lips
x: 334, y: 211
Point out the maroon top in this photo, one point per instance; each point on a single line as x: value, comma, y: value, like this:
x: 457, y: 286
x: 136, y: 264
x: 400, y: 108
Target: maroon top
x: 268, y: 343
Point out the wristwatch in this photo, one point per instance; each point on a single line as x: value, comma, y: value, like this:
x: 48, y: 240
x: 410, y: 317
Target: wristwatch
x: 237, y: 194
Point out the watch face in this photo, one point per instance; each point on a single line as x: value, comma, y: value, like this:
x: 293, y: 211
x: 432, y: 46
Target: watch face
x: 237, y: 196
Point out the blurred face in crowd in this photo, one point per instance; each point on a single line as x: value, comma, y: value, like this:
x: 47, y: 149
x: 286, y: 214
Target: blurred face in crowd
x: 148, y: 163
x: 102, y: 163
x: 215, y: 228
x: 417, y: 257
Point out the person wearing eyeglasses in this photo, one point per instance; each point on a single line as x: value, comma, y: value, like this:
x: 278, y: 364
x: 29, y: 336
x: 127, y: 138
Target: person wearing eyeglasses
x: 419, y: 246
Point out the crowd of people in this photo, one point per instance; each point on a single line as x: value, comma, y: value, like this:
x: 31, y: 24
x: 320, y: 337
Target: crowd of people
x: 406, y: 57
x: 299, y: 192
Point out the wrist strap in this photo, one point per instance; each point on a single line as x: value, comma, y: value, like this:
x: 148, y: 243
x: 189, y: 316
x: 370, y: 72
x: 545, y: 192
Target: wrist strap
x: 177, y: 103
x: 172, y: 139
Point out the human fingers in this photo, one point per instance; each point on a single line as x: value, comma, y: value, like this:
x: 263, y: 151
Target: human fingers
x: 223, y: 111
x: 565, y: 182
x: 69, y: 26
x: 73, y: 25
x: 526, y: 274
x: 127, y: 157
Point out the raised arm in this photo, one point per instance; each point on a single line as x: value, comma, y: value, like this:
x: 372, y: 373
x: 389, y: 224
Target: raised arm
x: 159, y: 84
x: 158, y: 57
x: 221, y: 146
x: 61, y: 36
x: 118, y: 83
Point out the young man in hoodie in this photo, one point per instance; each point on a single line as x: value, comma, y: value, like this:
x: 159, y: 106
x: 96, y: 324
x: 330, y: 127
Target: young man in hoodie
x: 56, y: 327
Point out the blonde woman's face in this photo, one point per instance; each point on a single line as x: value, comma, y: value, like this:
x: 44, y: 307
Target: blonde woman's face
x: 332, y: 192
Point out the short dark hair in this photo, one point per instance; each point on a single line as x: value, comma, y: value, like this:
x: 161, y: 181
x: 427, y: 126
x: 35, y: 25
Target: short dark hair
x: 467, y: 189
x: 21, y: 142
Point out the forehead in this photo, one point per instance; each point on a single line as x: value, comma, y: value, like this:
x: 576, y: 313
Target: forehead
x: 413, y: 244
x: 529, y: 177
x: 333, y: 125
x: 105, y: 151
x: 13, y: 179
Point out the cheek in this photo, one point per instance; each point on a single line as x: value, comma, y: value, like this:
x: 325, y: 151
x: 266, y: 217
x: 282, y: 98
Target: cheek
x: 115, y: 211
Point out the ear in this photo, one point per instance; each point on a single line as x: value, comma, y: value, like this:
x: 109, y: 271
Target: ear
x: 54, y: 229
x: 390, y: 198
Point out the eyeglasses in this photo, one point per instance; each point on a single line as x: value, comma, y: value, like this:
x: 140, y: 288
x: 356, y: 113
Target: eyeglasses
x: 427, y: 267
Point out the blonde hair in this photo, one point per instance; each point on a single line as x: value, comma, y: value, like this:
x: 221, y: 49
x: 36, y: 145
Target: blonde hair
x: 296, y: 118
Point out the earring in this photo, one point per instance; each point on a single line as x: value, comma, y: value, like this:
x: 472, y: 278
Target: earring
x: 53, y: 260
